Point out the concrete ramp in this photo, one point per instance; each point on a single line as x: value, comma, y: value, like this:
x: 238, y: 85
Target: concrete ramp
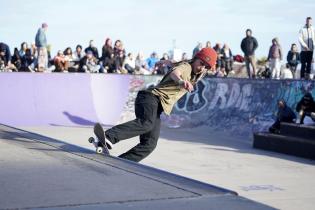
x: 41, y: 172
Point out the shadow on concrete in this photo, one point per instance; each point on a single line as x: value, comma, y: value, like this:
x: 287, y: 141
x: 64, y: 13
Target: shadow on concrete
x: 25, y: 137
x: 238, y: 144
x: 78, y: 121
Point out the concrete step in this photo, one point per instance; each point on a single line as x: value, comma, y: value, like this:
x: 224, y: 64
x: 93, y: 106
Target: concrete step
x: 285, y: 144
x: 298, y: 130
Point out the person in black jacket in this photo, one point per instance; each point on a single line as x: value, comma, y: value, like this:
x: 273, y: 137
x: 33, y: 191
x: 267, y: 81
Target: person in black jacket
x: 93, y: 49
x: 248, y: 45
x: 306, y: 107
x: 293, y: 59
x: 5, y: 58
x: 285, y: 114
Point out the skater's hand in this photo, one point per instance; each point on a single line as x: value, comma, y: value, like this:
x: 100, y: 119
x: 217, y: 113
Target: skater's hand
x: 188, y: 86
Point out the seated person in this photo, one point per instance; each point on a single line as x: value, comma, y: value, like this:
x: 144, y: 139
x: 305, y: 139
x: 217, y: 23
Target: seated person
x: 141, y: 65
x: 73, y: 67
x: 163, y: 65
x: 5, y: 58
x: 60, y: 62
x: 28, y: 61
x: 306, y: 107
x: 286, y: 73
x: 78, y: 54
x: 16, y: 59
x: 285, y: 114
x: 109, y: 64
x: 89, y: 63
x: 129, y: 63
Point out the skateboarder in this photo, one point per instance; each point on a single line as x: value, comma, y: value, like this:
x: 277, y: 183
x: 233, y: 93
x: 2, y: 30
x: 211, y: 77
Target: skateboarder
x: 151, y: 102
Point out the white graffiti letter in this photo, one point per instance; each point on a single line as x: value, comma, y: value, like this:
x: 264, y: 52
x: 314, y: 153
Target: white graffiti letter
x: 247, y: 92
x: 235, y: 93
x: 220, y: 92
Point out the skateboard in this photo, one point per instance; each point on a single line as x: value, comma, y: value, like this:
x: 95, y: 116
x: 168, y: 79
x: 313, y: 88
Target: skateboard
x: 99, y: 141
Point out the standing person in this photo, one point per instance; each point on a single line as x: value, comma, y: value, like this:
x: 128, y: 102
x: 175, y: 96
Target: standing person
x: 274, y: 58
x: 41, y: 45
x: 293, y: 59
x: 218, y: 49
x: 227, y: 59
x: 248, y: 45
x: 151, y: 102
x: 306, y: 39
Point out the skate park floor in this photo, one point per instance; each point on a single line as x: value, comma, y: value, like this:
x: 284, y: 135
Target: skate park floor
x: 277, y: 180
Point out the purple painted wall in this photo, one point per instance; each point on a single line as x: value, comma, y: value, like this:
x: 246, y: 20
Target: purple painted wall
x: 238, y: 106
x: 61, y: 99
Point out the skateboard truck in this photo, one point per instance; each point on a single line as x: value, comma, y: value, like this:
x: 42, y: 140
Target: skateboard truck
x: 93, y: 141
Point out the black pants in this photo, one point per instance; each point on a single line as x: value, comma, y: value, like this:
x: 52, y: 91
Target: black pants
x: 147, y: 124
x: 275, y: 128
x: 306, y: 61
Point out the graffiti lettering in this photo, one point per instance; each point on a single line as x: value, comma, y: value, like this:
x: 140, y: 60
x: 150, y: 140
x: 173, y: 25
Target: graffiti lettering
x: 223, y: 97
x: 238, y: 98
x: 195, y: 101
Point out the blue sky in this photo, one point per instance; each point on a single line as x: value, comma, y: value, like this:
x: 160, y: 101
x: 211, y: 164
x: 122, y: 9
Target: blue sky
x: 148, y: 25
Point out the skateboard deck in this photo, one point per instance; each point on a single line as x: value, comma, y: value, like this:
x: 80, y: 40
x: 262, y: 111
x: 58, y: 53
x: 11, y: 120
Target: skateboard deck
x: 99, y: 142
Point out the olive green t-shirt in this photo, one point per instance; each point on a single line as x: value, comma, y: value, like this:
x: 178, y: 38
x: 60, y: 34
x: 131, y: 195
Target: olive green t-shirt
x: 169, y: 91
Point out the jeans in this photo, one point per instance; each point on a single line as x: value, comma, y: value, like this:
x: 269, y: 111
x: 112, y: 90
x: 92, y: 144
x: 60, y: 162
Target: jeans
x: 275, y: 66
x: 250, y: 61
x: 306, y: 62
x: 146, y: 125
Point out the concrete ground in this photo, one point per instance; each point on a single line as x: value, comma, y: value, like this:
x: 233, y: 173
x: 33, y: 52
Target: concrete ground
x: 278, y: 180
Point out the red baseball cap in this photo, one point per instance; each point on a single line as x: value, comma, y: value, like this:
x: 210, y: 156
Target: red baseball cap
x: 207, y: 55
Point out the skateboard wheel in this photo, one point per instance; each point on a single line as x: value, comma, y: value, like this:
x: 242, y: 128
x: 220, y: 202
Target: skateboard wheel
x: 99, y: 150
x: 91, y: 140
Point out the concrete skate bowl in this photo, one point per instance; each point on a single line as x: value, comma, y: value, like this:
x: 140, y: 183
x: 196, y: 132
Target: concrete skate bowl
x: 232, y: 105
x: 237, y: 106
x: 61, y: 99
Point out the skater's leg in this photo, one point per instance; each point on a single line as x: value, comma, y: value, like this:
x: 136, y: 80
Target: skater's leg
x: 148, y: 142
x: 146, y: 110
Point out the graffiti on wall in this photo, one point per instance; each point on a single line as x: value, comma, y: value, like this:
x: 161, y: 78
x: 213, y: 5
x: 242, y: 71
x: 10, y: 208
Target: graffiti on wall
x: 137, y: 83
x: 238, y: 106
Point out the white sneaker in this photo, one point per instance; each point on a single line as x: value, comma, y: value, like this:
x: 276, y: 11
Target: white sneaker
x: 108, y: 144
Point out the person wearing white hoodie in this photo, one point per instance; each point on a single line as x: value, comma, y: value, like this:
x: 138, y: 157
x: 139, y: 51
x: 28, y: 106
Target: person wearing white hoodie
x: 306, y: 39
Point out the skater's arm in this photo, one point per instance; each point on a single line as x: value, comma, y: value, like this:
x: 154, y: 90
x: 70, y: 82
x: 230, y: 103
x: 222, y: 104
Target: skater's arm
x: 176, y: 76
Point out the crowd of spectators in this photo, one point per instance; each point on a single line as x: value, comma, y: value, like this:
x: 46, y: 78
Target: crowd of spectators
x: 114, y: 59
